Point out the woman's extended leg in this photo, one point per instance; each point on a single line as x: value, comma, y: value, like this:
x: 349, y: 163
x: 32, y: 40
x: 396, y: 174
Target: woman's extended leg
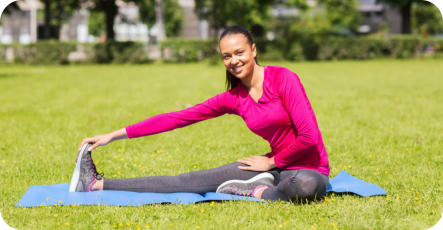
x: 298, y: 185
x: 197, y: 181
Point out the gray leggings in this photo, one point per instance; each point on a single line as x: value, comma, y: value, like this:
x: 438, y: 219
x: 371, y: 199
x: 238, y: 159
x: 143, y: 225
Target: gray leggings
x: 295, y: 185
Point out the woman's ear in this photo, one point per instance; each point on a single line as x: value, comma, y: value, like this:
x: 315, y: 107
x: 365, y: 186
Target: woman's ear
x: 254, y: 50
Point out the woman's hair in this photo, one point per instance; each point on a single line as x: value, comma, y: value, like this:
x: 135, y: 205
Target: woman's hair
x: 231, y: 80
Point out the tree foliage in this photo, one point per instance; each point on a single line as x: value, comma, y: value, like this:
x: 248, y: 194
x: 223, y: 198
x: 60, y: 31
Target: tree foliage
x: 342, y: 13
x: 56, y: 13
x: 247, y: 13
x: 96, y: 24
x: 405, y: 7
x: 172, y: 13
x: 109, y: 10
x: 106, y: 10
x: 426, y: 19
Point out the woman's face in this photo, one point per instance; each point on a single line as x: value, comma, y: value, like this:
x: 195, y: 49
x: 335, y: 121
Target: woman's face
x: 238, y: 55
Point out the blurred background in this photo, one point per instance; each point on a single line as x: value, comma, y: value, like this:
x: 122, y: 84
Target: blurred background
x: 141, y: 31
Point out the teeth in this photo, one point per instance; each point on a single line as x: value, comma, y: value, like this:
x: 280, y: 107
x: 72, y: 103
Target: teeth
x: 236, y: 69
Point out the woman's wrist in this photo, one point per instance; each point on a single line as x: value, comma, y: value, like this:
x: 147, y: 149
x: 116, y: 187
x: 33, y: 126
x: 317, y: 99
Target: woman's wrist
x: 272, y: 163
x: 119, y: 134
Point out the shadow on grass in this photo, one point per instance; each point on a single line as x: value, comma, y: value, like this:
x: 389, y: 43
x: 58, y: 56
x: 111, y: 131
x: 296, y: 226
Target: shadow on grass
x: 329, y: 194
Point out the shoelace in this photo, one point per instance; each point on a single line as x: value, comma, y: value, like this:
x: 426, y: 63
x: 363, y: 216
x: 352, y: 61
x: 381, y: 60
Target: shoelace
x: 96, y: 175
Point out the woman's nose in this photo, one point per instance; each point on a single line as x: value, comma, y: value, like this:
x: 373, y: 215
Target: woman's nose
x: 234, y: 60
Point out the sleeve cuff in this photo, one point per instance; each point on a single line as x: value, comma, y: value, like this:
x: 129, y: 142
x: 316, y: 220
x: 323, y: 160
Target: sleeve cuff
x: 130, y: 132
x: 278, y: 162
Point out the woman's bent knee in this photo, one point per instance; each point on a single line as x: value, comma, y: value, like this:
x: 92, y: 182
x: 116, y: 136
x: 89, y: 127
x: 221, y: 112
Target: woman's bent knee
x: 304, y: 185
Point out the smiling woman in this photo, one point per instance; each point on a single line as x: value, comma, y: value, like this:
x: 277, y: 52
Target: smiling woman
x: 272, y: 102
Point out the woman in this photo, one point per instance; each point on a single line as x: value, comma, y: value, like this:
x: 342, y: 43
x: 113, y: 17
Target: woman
x: 274, y: 105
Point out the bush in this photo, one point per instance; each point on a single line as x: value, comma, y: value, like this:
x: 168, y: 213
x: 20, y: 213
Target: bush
x: 120, y: 52
x: 84, y: 54
x: 405, y: 46
x: 44, y: 52
x: 297, y: 47
x: 438, y: 46
x: 3, y: 51
x: 349, y: 48
x: 295, y: 52
x: 268, y: 50
x: 186, y: 50
x: 367, y: 47
x: 271, y: 55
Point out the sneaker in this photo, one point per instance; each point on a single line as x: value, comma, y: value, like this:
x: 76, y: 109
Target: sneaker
x: 247, y: 187
x: 85, y: 174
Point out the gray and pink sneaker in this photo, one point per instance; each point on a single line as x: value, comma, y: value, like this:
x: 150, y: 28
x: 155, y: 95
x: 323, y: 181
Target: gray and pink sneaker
x: 85, y: 173
x: 247, y: 187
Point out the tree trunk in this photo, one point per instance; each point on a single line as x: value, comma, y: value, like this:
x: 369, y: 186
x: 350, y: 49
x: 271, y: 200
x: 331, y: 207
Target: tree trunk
x: 406, y: 18
x: 110, y: 12
x: 48, y: 16
x: 215, y: 29
x: 59, y: 17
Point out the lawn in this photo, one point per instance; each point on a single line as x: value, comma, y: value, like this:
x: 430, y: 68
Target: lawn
x: 381, y: 121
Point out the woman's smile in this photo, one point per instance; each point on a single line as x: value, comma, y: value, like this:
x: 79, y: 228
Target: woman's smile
x: 237, y: 69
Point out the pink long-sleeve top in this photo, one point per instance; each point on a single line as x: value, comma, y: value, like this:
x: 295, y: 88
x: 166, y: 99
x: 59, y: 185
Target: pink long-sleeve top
x: 283, y: 116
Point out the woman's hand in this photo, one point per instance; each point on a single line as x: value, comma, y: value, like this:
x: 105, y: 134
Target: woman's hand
x: 104, y: 139
x: 257, y: 163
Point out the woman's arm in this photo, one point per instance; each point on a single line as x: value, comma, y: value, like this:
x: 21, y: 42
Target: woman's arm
x: 213, y: 107
x: 104, y: 139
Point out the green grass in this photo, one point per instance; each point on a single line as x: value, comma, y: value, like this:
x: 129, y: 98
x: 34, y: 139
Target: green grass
x: 381, y: 121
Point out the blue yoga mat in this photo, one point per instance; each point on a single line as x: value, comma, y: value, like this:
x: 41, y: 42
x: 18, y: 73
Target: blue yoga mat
x: 346, y: 183
x: 58, y: 194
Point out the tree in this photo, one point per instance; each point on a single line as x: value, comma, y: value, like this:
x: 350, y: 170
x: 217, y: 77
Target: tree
x: 172, y: 13
x: 405, y: 10
x: 426, y: 19
x: 110, y: 10
x: 247, y: 13
x: 342, y: 13
x: 107, y: 10
x: 55, y: 13
x: 96, y: 24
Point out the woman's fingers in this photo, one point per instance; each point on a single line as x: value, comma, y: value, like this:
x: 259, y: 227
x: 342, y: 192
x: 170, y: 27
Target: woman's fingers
x: 248, y: 160
x: 100, y: 141
x: 95, y: 145
x: 84, y: 141
x: 88, y: 140
x: 250, y: 168
x: 254, y: 163
x: 245, y: 161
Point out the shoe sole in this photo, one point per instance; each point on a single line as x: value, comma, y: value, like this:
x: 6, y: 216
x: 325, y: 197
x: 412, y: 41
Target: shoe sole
x: 253, y: 179
x: 76, y: 174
